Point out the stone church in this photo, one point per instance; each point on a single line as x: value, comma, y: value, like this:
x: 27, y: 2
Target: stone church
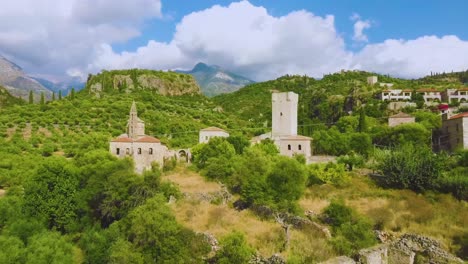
x: 284, y: 127
x: 142, y: 148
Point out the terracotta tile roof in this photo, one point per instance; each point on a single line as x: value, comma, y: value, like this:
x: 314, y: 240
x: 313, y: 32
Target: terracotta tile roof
x: 213, y: 129
x: 407, y: 90
x: 296, y: 137
x: 427, y: 90
x: 401, y: 115
x: 463, y: 89
x: 147, y: 139
x: 459, y: 115
x: 122, y: 139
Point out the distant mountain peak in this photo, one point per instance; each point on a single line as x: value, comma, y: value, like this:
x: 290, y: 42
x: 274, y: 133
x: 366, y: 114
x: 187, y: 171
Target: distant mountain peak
x: 215, y: 80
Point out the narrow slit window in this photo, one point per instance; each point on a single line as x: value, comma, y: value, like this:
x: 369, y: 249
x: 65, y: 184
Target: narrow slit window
x: 151, y: 151
x: 117, y: 151
x: 300, y: 147
x: 289, y: 147
x: 139, y: 150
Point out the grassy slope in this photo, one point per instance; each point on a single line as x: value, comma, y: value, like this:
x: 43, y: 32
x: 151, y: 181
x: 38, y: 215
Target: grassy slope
x: 397, y: 211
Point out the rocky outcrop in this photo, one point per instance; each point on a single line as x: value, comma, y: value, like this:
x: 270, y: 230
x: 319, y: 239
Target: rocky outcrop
x: 127, y: 81
x: 274, y: 259
x: 405, y: 250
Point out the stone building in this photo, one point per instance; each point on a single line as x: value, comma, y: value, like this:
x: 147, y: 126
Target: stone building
x: 142, y: 148
x: 453, y: 134
x: 284, y: 127
x: 400, y: 118
x: 207, y: 133
x: 371, y: 80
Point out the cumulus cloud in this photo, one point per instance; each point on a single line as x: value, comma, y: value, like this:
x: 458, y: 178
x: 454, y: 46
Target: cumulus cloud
x: 52, y: 36
x: 414, y: 58
x: 245, y: 38
x: 359, y: 27
x: 76, y: 37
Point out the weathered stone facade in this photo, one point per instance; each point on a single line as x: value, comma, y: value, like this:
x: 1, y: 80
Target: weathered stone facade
x: 400, y: 118
x: 284, y: 127
x: 144, y: 149
x: 454, y: 133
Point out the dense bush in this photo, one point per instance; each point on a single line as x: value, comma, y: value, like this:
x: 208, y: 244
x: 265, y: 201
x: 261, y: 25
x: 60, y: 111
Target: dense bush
x: 351, y: 231
x: 411, y: 167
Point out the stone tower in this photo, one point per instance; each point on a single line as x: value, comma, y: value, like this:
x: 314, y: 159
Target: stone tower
x: 135, y: 126
x: 284, y: 114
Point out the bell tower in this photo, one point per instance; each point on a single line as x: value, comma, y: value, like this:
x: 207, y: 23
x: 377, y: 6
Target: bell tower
x: 284, y: 114
x: 135, y: 126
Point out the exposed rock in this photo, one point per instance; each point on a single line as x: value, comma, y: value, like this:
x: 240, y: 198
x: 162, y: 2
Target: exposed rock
x: 377, y: 254
x: 384, y: 237
x: 340, y: 260
x: 274, y: 259
x: 212, y: 241
x: 420, y: 245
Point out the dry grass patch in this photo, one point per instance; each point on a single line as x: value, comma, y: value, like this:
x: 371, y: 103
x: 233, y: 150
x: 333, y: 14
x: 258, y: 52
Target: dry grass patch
x: 191, y: 182
x: 221, y: 220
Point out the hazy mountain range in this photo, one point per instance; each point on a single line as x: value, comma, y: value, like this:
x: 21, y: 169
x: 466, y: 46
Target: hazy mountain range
x: 19, y: 83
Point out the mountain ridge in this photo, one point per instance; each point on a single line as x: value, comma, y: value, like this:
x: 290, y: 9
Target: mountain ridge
x: 215, y: 80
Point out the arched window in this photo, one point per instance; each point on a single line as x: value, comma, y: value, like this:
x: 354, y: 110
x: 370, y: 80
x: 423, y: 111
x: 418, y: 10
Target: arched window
x: 117, y: 151
x: 139, y: 150
x: 127, y: 151
x: 300, y: 147
x: 289, y: 147
x: 281, y: 113
x: 151, y: 151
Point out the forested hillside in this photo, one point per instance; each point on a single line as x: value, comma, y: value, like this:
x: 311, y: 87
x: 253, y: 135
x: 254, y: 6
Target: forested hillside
x: 65, y: 199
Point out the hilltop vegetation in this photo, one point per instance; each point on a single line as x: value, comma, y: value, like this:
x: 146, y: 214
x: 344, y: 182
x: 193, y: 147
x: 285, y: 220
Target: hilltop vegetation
x: 69, y: 201
x: 126, y: 81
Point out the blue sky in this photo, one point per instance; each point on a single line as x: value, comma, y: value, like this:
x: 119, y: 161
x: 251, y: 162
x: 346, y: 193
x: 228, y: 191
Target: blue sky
x: 259, y: 39
x: 390, y: 18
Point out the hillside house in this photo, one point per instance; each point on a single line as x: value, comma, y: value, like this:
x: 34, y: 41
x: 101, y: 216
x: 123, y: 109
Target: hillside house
x: 142, y: 148
x: 430, y: 95
x: 400, y: 118
x: 206, y: 134
x: 396, y: 95
x: 456, y: 95
x: 284, y: 127
x: 453, y: 134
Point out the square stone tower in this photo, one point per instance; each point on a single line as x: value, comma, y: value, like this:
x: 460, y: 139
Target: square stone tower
x: 284, y: 114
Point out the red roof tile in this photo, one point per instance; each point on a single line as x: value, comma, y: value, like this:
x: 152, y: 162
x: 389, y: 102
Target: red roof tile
x: 147, y: 139
x: 122, y: 139
x: 460, y: 115
x: 401, y: 115
x: 427, y: 90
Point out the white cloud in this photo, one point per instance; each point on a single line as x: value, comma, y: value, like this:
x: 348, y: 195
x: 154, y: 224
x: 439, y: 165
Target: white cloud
x: 52, y: 36
x: 359, y: 27
x: 76, y: 37
x: 414, y: 58
x: 247, y: 39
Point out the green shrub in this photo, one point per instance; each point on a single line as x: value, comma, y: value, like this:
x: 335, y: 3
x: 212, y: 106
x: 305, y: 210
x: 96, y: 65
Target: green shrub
x: 234, y: 249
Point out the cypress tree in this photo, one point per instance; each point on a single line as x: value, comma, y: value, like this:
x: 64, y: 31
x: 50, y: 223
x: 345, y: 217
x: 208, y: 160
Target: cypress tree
x: 72, y: 93
x: 31, y: 97
x: 42, y: 98
x: 362, y: 126
x: 53, y: 96
x: 60, y: 95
